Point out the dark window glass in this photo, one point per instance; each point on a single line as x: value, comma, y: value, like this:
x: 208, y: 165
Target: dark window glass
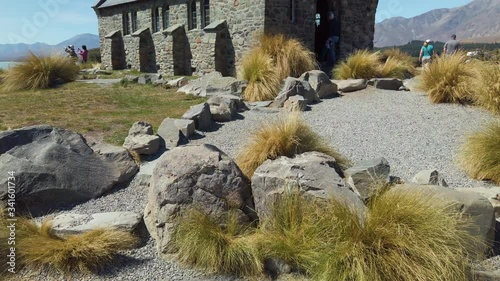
x: 156, y: 19
x: 135, y: 21
x: 125, y: 22
x: 192, y: 20
x: 205, y: 17
x: 166, y: 16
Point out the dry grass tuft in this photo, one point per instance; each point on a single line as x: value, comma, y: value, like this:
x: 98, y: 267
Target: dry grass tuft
x: 39, y: 248
x: 480, y: 154
x: 363, y: 64
x: 229, y: 248
x: 486, y: 86
x: 446, y: 79
x: 392, y: 68
x: 263, y: 82
x: 402, y: 236
x: 40, y: 72
x: 285, y: 136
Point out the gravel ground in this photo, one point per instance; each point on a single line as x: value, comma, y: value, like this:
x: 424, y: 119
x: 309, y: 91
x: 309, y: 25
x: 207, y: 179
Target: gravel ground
x: 403, y: 127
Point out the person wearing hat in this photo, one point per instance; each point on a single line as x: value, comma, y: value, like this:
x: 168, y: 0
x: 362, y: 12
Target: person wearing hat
x: 426, y: 53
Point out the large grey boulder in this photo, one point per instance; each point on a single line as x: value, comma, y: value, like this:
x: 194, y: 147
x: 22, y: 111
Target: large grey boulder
x: 68, y: 224
x: 314, y: 174
x: 201, y: 116
x: 295, y: 86
x: 387, y: 83
x: 350, y: 85
x: 491, y: 193
x: 201, y: 176
x: 125, y: 165
x: 364, y: 176
x: 473, y: 206
x: 320, y: 82
x: 198, y: 87
x: 55, y: 167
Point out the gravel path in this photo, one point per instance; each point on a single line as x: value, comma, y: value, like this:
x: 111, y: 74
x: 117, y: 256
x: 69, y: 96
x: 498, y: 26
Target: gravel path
x: 403, y: 127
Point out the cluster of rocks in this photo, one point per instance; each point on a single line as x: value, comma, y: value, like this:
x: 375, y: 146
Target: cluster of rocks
x: 156, y: 79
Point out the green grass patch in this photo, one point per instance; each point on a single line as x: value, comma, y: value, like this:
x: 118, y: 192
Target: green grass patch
x: 103, y: 112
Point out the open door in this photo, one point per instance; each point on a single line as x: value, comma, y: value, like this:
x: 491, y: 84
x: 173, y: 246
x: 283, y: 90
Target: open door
x: 322, y: 30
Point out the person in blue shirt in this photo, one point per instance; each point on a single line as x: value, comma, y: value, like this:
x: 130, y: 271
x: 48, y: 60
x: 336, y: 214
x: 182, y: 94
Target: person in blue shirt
x: 426, y: 53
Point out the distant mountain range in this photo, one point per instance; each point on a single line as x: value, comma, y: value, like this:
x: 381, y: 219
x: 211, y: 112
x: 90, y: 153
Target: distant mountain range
x: 14, y: 52
x: 478, y: 21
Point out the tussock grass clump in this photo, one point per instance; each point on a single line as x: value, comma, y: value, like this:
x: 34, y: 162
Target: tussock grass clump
x: 486, y: 86
x: 37, y: 247
x: 203, y: 242
x: 285, y: 136
x: 290, y: 56
x: 263, y: 81
x: 401, y: 236
x: 446, y: 79
x: 392, y: 68
x: 480, y: 154
x: 363, y: 64
x: 40, y: 72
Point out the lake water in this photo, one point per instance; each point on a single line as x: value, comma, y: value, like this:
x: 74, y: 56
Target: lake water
x: 6, y: 64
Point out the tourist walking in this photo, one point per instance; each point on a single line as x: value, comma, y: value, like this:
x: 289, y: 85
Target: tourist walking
x: 426, y: 54
x: 71, y: 52
x: 333, y: 38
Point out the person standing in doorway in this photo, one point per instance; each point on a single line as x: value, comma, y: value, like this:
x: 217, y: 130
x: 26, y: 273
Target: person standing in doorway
x: 426, y: 53
x: 333, y: 39
x: 452, y: 46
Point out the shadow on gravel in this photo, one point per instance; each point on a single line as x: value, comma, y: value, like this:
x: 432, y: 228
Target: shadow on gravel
x: 118, y: 263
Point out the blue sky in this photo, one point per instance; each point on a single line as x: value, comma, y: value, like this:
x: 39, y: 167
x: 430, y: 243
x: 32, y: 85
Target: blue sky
x: 53, y: 21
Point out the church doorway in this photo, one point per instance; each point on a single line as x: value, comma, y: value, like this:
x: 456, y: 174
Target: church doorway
x: 323, y: 27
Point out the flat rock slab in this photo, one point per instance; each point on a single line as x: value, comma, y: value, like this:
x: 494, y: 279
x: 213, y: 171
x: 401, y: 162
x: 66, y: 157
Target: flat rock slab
x: 67, y: 224
x: 387, y: 83
x: 350, y: 85
x: 100, y: 81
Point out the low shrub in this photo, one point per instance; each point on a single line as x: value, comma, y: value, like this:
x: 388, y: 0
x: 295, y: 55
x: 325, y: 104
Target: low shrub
x: 362, y: 64
x: 290, y: 56
x: 94, y: 55
x: 392, y: 68
x: 40, y: 72
x: 285, y: 136
x: 446, y: 80
x: 202, y: 241
x: 480, y: 154
x: 37, y: 247
x: 486, y: 86
x: 397, y: 64
x: 263, y: 82
x: 329, y: 241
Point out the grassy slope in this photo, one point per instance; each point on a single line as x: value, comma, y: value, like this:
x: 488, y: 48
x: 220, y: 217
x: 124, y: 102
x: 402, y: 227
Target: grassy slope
x: 105, y: 111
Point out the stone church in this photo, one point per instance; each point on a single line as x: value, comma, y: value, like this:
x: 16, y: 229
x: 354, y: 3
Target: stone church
x: 184, y: 37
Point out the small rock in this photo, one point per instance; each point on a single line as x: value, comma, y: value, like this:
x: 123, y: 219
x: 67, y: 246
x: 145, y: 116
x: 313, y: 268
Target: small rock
x: 293, y: 87
x: 277, y: 267
x: 221, y: 113
x: 388, y: 83
x: 67, y: 224
x: 350, y: 85
x: 169, y: 133
x: 429, y: 177
x: 131, y: 78
x: 365, y: 175
x: 234, y: 102
x: 142, y: 144
x: 201, y: 116
x: 295, y: 103
x: 144, y: 79
x: 187, y: 127
x: 179, y: 82
x: 141, y: 128
x: 320, y: 83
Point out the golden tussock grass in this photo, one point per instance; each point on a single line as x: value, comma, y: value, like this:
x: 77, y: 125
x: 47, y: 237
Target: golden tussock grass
x: 401, y: 236
x: 485, y: 86
x: 446, y: 80
x: 290, y: 56
x: 37, y: 247
x: 362, y: 64
x: 286, y: 135
x: 203, y: 242
x: 40, y: 72
x: 480, y: 154
x: 263, y: 82
x: 392, y: 68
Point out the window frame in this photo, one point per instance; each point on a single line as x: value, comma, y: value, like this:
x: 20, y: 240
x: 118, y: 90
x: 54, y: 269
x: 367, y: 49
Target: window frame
x: 192, y: 15
x: 155, y: 19
x: 125, y: 23
x: 205, y: 13
x: 134, y: 20
x: 165, y: 14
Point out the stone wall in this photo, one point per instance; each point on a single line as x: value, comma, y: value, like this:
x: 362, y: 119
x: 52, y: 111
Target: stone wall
x: 195, y: 49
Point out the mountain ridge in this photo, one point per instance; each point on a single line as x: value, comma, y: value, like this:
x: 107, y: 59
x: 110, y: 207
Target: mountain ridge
x: 15, y: 52
x: 476, y: 20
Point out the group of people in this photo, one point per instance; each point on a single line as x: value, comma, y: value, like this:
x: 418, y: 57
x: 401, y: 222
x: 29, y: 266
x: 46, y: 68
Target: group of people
x: 427, y: 50
x: 83, y: 53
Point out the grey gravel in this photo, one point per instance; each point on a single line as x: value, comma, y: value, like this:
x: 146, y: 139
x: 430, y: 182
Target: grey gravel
x: 403, y: 127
